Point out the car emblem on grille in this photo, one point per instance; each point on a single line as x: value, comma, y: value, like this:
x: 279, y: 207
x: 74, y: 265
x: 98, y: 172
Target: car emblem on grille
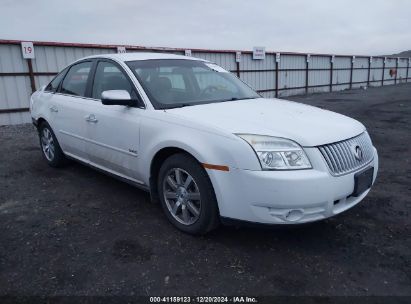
x: 357, y: 152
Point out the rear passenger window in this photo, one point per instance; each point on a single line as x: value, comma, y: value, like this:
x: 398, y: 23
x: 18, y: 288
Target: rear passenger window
x: 54, y: 84
x: 75, y: 82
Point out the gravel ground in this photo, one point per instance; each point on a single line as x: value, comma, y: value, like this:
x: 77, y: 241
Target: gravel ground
x: 75, y: 231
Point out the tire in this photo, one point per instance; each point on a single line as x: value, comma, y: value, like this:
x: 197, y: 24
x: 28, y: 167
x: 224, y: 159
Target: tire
x: 195, y: 194
x: 50, y: 147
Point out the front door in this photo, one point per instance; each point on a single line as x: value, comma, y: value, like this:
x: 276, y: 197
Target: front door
x: 112, y: 141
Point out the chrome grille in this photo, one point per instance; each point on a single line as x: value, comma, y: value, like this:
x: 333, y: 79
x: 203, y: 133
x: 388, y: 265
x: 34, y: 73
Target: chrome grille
x: 340, y: 156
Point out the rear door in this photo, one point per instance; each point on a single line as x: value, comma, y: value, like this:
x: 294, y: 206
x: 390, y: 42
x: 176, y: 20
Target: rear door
x: 113, y: 131
x: 68, y: 112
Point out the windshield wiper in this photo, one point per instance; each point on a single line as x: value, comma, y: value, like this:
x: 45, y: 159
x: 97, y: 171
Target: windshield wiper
x: 179, y: 105
x: 237, y: 98
x: 187, y: 104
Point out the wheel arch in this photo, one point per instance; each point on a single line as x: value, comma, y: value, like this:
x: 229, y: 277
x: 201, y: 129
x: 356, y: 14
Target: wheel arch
x: 37, y: 122
x: 158, y: 159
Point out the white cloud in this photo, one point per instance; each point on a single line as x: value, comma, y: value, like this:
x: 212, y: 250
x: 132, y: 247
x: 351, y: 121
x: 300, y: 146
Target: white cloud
x: 316, y: 26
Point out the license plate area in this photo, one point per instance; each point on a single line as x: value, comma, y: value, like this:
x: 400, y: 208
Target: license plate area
x: 363, y: 181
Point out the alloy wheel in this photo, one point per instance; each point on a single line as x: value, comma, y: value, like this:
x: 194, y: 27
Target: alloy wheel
x: 182, y: 196
x: 47, y: 144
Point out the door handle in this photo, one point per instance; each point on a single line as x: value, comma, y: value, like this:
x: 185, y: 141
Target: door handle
x: 53, y: 109
x: 91, y: 118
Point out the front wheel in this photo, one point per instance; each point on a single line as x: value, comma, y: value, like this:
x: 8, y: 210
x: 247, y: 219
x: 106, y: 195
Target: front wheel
x: 187, y: 195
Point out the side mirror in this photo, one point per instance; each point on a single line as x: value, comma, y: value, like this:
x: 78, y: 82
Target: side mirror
x: 117, y: 97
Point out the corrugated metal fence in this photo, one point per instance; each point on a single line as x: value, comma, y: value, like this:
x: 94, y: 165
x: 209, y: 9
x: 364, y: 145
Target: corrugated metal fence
x: 278, y: 75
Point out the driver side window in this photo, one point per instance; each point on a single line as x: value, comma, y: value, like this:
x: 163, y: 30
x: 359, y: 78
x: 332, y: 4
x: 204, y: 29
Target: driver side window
x: 109, y: 77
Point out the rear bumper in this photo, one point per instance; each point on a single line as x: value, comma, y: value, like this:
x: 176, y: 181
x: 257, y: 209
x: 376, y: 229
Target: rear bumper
x: 286, y: 197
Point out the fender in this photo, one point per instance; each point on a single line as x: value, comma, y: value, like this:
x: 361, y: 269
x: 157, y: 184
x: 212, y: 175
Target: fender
x: 206, y: 147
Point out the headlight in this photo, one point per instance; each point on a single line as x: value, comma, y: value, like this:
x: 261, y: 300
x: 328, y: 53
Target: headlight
x: 275, y: 153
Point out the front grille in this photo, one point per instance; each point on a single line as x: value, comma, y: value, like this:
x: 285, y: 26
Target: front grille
x: 340, y: 156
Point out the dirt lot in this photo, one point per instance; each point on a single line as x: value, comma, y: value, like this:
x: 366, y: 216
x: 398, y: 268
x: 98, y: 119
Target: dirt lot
x: 75, y: 231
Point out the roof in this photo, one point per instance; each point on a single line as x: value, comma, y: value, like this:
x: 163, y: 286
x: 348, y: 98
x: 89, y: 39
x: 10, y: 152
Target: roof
x: 143, y: 56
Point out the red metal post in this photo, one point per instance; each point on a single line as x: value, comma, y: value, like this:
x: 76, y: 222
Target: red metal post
x: 31, y: 75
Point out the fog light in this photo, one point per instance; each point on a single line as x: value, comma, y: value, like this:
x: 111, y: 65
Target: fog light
x: 294, y: 215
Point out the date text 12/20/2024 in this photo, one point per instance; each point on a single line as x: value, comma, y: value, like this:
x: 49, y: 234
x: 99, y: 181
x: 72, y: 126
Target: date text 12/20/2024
x: 223, y: 299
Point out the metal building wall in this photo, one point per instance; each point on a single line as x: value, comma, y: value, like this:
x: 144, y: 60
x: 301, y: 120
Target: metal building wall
x: 319, y: 77
x: 14, y: 90
x: 258, y: 74
x: 402, y: 70
x: 225, y: 60
x: 390, y: 64
x: 408, y: 71
x: 341, y: 73
x: 376, y: 71
x: 293, y: 74
x: 360, y: 72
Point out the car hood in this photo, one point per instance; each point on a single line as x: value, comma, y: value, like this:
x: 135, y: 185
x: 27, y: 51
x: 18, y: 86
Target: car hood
x: 307, y: 125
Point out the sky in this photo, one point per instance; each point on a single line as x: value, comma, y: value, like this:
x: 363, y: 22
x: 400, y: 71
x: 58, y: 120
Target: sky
x: 360, y: 27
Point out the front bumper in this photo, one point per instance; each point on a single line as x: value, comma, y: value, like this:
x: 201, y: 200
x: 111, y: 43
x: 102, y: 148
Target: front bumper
x: 286, y: 197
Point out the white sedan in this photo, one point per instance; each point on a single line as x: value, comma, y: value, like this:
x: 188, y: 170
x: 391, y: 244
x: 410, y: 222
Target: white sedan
x: 202, y: 142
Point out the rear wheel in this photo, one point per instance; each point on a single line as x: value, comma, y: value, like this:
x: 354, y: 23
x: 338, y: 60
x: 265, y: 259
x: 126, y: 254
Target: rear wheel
x: 50, y: 147
x: 187, y: 195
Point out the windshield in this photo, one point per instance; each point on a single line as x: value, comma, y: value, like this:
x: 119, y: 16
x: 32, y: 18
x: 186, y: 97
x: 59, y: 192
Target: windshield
x: 171, y: 83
